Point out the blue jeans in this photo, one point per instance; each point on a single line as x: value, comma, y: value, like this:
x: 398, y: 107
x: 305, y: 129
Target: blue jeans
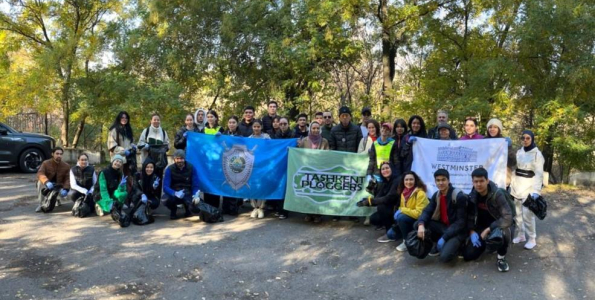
x: 404, y: 225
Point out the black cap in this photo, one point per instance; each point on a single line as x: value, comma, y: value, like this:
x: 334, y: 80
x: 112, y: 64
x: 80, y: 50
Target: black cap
x: 444, y: 125
x: 344, y: 110
x: 366, y: 110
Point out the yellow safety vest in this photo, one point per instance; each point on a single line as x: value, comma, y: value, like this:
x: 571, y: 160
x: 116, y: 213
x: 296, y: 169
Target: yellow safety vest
x: 212, y: 131
x: 382, y: 152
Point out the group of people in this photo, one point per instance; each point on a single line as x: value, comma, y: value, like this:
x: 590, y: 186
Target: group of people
x: 457, y: 223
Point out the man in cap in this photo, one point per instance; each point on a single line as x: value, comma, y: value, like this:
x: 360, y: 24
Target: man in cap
x: 180, y: 184
x: 445, y: 132
x: 345, y: 136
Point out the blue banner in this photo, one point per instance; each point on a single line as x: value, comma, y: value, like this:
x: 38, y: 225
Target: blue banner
x: 239, y: 167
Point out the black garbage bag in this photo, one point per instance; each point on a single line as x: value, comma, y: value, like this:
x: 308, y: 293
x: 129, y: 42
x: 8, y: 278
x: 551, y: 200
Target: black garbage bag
x: 495, y: 240
x: 83, y: 206
x: 131, y: 161
x: 206, y: 212
x: 537, y: 206
x: 158, y: 153
x: 120, y: 216
x: 372, y: 184
x: 50, y: 196
x: 417, y: 247
x: 142, y: 215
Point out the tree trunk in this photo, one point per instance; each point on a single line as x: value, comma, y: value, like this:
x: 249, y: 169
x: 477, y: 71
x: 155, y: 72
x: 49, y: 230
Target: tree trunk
x: 79, y: 130
x: 64, y: 129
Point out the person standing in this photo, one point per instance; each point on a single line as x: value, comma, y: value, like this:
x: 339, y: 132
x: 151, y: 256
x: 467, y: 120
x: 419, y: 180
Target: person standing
x: 417, y: 128
x: 345, y: 136
x: 327, y: 125
x: 180, y: 184
x: 273, y: 132
x: 82, y: 178
x: 383, y: 150
x: 444, y: 132
x: 121, y: 141
x: 245, y: 125
x: 471, y: 129
x: 52, y: 174
x: 318, y: 117
x: 154, y: 142
x: 367, y: 142
x: 258, y: 205
x: 231, y: 206
x: 189, y: 126
x: 366, y: 115
x: 527, y: 181
x: 284, y: 131
x: 495, y: 131
x: 212, y: 127
x: 200, y: 119
x: 301, y: 129
x: 314, y: 141
x: 441, y: 118
x: 267, y: 121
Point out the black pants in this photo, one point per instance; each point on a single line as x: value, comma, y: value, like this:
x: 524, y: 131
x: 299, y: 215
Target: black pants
x: 471, y: 252
x: 279, y: 207
x: 212, y: 200
x: 73, y: 195
x: 383, y: 216
x: 172, y: 203
x: 450, y: 250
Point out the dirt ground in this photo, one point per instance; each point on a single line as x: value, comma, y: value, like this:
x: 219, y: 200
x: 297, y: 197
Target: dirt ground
x: 57, y: 256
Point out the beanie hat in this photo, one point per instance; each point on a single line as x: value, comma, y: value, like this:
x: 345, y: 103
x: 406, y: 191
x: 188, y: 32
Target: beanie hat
x: 180, y: 153
x: 496, y: 122
x: 118, y: 157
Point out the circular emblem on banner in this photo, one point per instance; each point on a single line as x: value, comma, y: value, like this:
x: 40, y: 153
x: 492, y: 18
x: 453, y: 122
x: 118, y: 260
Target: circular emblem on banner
x: 237, y: 164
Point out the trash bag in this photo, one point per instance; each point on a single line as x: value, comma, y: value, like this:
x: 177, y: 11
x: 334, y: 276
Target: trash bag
x: 372, y: 184
x: 537, y: 206
x: 417, y: 247
x: 158, y: 153
x: 131, y: 161
x: 206, y: 212
x: 142, y: 215
x: 49, y: 201
x: 82, y: 207
x: 120, y: 216
x: 495, y: 240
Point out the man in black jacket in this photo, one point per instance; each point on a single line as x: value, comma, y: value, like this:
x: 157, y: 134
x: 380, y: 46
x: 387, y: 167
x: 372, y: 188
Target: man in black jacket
x: 441, y: 118
x: 267, y: 121
x: 488, y: 210
x: 345, y: 136
x: 445, y: 216
x: 245, y: 126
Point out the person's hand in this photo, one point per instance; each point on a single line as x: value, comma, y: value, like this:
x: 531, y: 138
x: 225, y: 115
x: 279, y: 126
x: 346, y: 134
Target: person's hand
x: 397, y: 213
x: 49, y: 185
x: 218, y: 133
x: 508, y: 141
x: 421, y: 231
x: 179, y: 194
x: 123, y: 181
x: 534, y: 196
x: 368, y: 178
x: 484, y: 234
x: 89, y: 192
x: 440, y: 244
x: 63, y: 193
x: 127, y: 152
x: 363, y: 202
x: 185, y: 133
x: 412, y: 139
x: 144, y: 199
x: 156, y: 183
x: 475, y: 240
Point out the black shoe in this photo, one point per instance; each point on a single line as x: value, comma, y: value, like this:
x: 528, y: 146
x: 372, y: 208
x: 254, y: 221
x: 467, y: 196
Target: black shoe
x: 173, y: 217
x: 502, y: 265
x: 434, y: 251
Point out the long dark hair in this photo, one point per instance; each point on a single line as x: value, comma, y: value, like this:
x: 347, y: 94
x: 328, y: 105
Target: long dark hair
x: 125, y: 130
x: 418, y: 182
x: 214, y: 113
x: 376, y: 124
x: 422, y: 130
x: 403, y: 124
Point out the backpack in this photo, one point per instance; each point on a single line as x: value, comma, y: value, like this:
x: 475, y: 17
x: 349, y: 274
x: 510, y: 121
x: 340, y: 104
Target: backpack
x: 510, y: 201
x: 455, y: 193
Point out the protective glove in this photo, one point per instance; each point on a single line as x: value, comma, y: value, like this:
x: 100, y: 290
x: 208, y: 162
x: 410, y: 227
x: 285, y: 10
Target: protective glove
x: 127, y: 152
x: 63, y: 193
x: 49, y: 185
x: 144, y: 199
x: 218, y: 133
x: 156, y: 183
x: 369, y: 178
x: 123, y: 181
x: 534, y: 196
x: 397, y: 213
x: 185, y: 133
x: 179, y: 194
x: 475, y: 240
x: 412, y: 139
x: 508, y: 140
x: 89, y: 192
x: 146, y: 146
x: 440, y: 244
x: 363, y: 202
x: 133, y: 146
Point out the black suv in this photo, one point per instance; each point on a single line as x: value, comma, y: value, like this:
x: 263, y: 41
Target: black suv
x: 25, y: 150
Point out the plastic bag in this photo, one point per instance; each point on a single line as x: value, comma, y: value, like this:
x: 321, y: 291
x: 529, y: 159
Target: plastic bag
x: 418, y: 247
x: 142, y: 215
x: 120, y: 216
x: 537, y: 206
x: 49, y: 200
x: 206, y: 212
x: 495, y: 240
x: 82, y: 206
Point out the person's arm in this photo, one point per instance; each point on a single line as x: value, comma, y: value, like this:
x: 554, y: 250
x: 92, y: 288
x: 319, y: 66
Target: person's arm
x: 391, y: 195
x: 92, y: 189
x: 180, y: 140
x: 538, y: 179
x: 360, y: 147
x: 75, y: 186
x: 41, y: 173
x: 332, y: 142
x: 103, y: 188
x: 359, y: 135
x: 325, y: 145
x: 112, y: 141
x: 426, y: 214
x: 166, y: 138
x: 505, y: 219
x: 406, y: 149
x: 121, y: 192
x: 167, y: 183
x: 141, y: 141
x: 458, y: 226
x: 194, y: 181
x: 372, y: 161
x: 421, y: 201
x: 394, y: 156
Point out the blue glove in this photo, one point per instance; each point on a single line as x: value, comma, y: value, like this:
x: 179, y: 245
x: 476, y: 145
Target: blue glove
x: 534, y: 196
x: 147, y: 146
x: 475, y: 240
x: 133, y: 146
x: 185, y: 133
x: 218, y: 133
x: 179, y: 194
x: 63, y: 193
x: 89, y: 192
x: 156, y: 183
x: 49, y: 185
x: 440, y: 244
x: 412, y: 139
x: 144, y: 199
x: 123, y: 181
x: 127, y: 152
x: 397, y: 213
x: 368, y: 178
x: 508, y: 140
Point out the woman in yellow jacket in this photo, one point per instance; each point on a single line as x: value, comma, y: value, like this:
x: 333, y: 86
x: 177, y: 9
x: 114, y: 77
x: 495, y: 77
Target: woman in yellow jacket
x: 413, y: 201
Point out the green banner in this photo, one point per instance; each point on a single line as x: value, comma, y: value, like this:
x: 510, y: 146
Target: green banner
x: 326, y: 182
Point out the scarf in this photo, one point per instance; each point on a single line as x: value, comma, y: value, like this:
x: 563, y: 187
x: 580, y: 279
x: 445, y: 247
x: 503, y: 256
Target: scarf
x: 315, y: 140
x: 407, y: 193
x: 530, y: 133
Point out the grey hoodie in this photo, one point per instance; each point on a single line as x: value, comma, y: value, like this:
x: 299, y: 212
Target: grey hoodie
x: 201, y: 125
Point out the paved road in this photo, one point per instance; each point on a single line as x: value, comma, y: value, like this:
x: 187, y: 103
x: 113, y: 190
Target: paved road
x: 56, y: 256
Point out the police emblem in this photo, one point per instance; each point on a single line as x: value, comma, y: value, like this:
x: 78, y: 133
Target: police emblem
x: 237, y: 165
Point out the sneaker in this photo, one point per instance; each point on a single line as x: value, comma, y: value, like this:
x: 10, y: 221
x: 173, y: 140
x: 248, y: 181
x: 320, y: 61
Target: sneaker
x: 518, y: 239
x: 173, y: 216
x: 260, y: 213
x: 502, y: 265
x: 38, y: 209
x: 530, y: 244
x: 282, y: 217
x: 402, y: 247
x: 254, y: 213
x: 384, y: 239
x: 98, y: 210
x: 434, y: 251
x: 367, y: 221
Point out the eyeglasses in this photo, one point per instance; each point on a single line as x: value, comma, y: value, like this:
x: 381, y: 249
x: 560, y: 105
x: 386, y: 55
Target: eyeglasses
x: 328, y: 117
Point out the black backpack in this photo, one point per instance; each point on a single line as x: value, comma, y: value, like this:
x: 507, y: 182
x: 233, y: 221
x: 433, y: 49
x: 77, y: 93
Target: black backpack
x: 510, y: 201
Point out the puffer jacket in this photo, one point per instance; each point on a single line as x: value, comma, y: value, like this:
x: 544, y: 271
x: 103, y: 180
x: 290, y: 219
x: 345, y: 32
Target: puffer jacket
x: 345, y: 138
x: 457, y: 213
x: 497, y: 207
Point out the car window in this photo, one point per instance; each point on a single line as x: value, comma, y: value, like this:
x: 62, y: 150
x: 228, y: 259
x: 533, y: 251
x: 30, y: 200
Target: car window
x: 5, y: 127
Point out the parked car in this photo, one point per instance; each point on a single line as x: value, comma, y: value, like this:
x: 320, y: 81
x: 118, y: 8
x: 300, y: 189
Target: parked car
x: 24, y: 150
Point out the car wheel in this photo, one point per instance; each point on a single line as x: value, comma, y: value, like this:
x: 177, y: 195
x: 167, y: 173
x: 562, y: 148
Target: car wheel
x: 31, y: 160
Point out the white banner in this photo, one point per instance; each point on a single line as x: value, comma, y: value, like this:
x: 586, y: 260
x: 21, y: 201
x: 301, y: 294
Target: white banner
x: 460, y: 158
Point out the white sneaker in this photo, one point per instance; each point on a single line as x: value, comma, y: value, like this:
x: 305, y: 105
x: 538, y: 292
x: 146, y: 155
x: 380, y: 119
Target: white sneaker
x: 519, y: 239
x: 367, y: 221
x: 98, y: 210
x: 402, y: 247
x: 260, y: 213
x: 254, y: 213
x: 530, y: 244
